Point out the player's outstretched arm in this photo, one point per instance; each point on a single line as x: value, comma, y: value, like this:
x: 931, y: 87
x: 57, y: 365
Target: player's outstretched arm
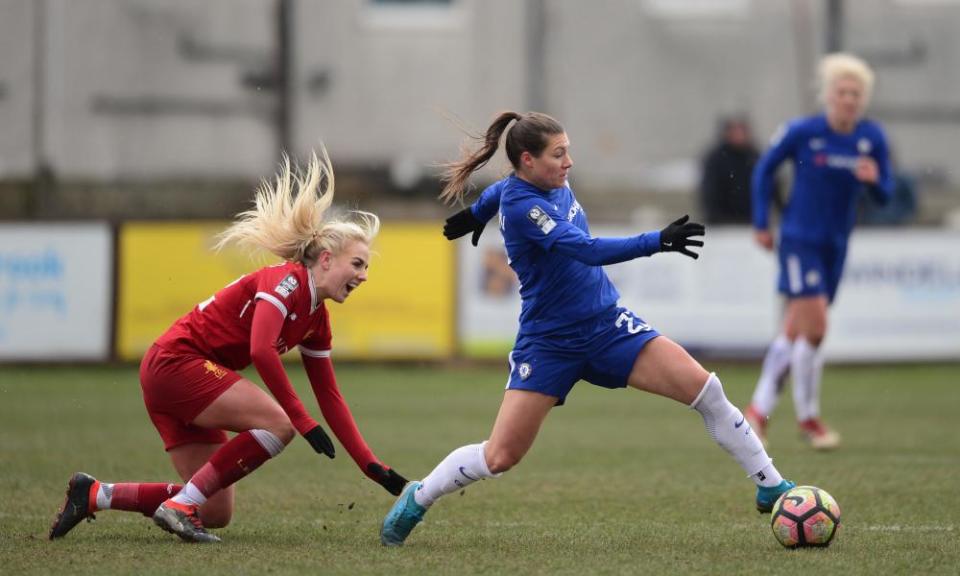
x: 677, y: 237
x: 338, y: 416
x: 543, y: 225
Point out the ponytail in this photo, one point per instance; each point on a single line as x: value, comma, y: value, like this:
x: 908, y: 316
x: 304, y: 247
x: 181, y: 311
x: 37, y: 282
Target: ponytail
x: 456, y: 174
x: 530, y: 134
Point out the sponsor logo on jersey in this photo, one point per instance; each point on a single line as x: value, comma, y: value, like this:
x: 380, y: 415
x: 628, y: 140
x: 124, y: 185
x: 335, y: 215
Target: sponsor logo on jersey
x: 541, y: 219
x: 573, y: 211
x: 524, y: 370
x: 287, y: 286
x: 217, y: 371
x: 835, y: 161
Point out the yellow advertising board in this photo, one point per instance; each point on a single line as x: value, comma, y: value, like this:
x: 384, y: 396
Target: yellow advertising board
x: 404, y: 310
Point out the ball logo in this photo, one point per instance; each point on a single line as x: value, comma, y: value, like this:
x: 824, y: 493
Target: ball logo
x: 524, y: 370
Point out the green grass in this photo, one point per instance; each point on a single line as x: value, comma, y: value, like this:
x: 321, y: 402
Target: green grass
x: 618, y: 482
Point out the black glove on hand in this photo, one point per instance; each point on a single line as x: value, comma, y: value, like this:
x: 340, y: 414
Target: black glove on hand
x: 320, y: 442
x: 387, y: 477
x: 462, y: 223
x: 676, y: 237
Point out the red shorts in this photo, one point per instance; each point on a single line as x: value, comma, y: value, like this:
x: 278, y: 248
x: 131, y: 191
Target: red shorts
x: 177, y: 386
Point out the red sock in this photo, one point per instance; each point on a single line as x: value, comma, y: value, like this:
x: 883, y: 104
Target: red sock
x: 143, y: 497
x: 231, y: 462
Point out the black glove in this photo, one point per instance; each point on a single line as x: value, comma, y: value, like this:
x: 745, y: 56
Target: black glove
x: 462, y: 223
x: 386, y: 477
x: 320, y: 442
x: 676, y: 237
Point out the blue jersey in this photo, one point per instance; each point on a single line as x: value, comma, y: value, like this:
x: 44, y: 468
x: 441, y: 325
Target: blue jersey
x: 558, y: 263
x: 822, y: 204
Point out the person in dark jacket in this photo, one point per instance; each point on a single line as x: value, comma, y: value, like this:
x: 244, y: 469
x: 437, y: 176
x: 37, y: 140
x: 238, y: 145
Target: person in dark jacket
x: 727, y: 168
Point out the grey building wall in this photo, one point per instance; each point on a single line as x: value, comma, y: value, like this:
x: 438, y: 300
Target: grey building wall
x: 16, y: 88
x: 176, y: 88
x: 138, y: 88
x: 398, y: 79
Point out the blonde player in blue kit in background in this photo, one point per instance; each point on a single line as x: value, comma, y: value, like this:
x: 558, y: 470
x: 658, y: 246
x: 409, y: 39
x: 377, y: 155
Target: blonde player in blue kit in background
x: 571, y: 327
x: 836, y: 156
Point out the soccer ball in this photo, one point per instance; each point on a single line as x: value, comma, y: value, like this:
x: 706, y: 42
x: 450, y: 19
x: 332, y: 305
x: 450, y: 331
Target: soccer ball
x: 805, y: 516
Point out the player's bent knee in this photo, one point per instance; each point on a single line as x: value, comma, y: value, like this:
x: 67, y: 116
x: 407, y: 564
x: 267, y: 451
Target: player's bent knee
x: 280, y: 426
x: 499, y: 461
x: 284, y: 430
x: 815, y: 335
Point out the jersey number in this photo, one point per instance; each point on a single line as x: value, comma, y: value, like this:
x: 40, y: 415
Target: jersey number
x: 631, y: 327
x: 210, y: 300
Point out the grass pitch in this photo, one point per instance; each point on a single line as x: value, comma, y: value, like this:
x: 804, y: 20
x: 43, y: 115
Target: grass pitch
x: 619, y: 482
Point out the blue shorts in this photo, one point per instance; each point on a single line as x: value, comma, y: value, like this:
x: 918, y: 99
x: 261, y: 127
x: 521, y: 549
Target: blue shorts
x: 810, y: 269
x: 601, y: 351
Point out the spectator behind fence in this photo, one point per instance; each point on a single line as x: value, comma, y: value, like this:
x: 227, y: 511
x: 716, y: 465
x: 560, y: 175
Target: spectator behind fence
x: 727, y: 168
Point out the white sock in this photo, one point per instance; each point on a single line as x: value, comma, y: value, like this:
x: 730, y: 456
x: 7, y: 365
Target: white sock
x: 190, y: 495
x: 729, y: 429
x: 269, y: 441
x: 104, y: 496
x: 775, y: 366
x: 459, y: 469
x: 806, y: 378
x: 813, y: 401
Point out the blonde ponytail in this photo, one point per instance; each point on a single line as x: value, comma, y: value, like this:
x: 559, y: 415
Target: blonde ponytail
x: 292, y: 216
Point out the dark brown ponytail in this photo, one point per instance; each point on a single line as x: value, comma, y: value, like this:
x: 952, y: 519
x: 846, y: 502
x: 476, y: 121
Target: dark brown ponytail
x: 530, y: 134
x: 456, y: 174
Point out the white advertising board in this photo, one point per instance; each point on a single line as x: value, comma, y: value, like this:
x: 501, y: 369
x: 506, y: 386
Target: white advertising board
x: 900, y: 297
x: 56, y: 291
x: 899, y: 300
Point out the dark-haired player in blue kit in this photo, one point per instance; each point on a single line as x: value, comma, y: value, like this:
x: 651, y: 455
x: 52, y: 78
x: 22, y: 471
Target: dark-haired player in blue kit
x: 835, y: 155
x: 571, y: 327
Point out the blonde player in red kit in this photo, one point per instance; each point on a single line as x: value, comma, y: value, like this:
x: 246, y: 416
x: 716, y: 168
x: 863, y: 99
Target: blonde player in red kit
x: 192, y: 391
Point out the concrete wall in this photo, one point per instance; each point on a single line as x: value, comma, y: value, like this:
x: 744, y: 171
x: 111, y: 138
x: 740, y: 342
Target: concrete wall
x: 178, y: 88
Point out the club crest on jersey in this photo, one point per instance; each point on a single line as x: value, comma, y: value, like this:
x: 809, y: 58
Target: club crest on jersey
x: 212, y: 368
x: 812, y: 278
x: 287, y: 286
x: 541, y: 219
x: 864, y: 146
x: 524, y: 370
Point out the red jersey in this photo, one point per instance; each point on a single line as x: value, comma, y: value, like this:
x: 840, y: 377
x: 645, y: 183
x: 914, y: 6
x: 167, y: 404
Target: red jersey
x: 220, y: 327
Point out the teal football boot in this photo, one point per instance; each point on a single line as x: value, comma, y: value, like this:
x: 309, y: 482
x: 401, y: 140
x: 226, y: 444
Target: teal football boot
x: 402, y: 517
x: 767, y: 497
